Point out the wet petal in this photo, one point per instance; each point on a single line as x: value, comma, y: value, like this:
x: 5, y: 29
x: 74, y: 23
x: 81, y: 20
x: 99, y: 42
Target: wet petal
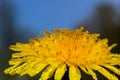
x: 105, y: 73
x: 60, y: 72
x: 74, y: 73
x: 47, y: 73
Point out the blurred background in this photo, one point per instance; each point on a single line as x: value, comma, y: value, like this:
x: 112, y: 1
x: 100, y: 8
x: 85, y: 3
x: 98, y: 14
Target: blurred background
x: 21, y: 20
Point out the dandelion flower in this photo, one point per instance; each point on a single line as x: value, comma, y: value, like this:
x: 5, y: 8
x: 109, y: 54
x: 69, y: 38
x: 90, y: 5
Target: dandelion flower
x: 62, y: 48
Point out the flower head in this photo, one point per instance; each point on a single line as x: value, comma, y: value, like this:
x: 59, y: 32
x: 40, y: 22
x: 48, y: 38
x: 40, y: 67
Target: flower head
x: 60, y: 48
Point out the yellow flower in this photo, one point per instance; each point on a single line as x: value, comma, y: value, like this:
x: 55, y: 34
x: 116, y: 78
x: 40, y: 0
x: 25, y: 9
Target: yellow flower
x: 62, y: 48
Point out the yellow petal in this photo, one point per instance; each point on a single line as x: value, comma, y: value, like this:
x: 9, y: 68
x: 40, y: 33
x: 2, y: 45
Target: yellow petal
x: 17, y: 55
x: 15, y: 61
x: 19, y: 69
x: 48, y: 73
x: 90, y: 72
x: 112, y: 68
x: 74, y: 73
x: 84, y: 69
x: 105, y: 72
x: 112, y: 46
x: 31, y: 68
x: 38, y: 68
x: 11, y: 70
x: 60, y: 72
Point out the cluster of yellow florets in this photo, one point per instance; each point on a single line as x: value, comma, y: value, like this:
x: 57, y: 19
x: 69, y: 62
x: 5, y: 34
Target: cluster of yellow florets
x: 64, y: 47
